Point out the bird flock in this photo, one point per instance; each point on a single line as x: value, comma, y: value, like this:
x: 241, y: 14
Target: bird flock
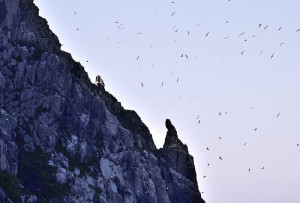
x: 204, y: 34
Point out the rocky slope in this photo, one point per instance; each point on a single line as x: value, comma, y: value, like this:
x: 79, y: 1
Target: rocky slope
x: 65, y: 139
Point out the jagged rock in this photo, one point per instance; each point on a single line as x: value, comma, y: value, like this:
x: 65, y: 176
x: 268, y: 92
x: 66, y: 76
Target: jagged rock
x: 69, y: 140
x: 181, y: 169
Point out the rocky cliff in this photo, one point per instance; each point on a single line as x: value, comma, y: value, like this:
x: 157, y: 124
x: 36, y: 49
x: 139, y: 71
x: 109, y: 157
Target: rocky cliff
x: 65, y: 139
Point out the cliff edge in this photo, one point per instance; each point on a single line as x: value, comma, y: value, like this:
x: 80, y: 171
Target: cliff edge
x: 65, y: 139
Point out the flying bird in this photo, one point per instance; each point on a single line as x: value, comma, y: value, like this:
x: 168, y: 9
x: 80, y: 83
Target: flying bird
x: 220, y: 138
x: 75, y: 12
x: 207, y: 34
x: 261, y: 51
x: 226, y: 113
x: 138, y: 58
x: 298, y: 30
x: 263, y: 168
x: 220, y: 113
x: 208, y: 164
x: 188, y: 32
x: 177, y: 80
x: 249, y: 169
x: 139, y: 33
x: 142, y: 84
x: 266, y: 27
x: 245, y: 144
x: 199, y: 122
x: 197, y: 117
x: 173, y: 13
x: 272, y: 56
x: 204, y: 176
x: 255, y: 129
x: 279, y: 28
x: 242, y: 52
x: 259, y: 25
x: 298, y: 145
x: 281, y: 43
x: 225, y: 37
x: 220, y: 158
x: 207, y: 148
x: 162, y: 83
x: 277, y: 115
x: 186, y: 56
x: 241, y: 34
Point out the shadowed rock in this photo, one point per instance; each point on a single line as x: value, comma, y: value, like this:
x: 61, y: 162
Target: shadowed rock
x: 175, y: 155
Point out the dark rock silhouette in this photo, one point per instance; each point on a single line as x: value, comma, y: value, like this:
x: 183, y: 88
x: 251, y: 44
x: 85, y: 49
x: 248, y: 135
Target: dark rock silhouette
x: 176, y: 157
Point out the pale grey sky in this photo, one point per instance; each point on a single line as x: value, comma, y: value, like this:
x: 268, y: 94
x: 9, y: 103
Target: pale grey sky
x: 216, y: 77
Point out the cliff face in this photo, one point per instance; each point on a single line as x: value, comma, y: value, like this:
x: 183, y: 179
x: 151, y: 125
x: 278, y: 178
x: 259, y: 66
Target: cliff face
x: 65, y: 139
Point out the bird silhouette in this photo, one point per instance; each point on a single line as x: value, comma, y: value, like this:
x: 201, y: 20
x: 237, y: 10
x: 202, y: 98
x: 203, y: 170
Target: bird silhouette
x: 279, y: 28
x: 259, y: 25
x: 186, y: 56
x: 75, y: 12
x: 162, y: 83
x: 242, y: 52
x: 208, y: 164
x: 226, y: 113
x: 298, y: 145
x: 173, y: 13
x: 204, y: 176
x: 197, y: 117
x: 220, y: 113
x: 207, y: 34
x: 249, y: 169
x: 272, y: 56
x: 298, y: 30
x: 277, y: 115
x: 261, y: 51
x: 188, y: 32
x: 263, y: 168
x: 142, y: 84
x: 255, y: 129
x: 177, y: 80
x: 220, y: 138
x: 281, y: 43
x: 207, y: 148
x: 241, y: 34
x: 220, y: 158
x: 245, y: 144
x: 266, y: 27
x: 225, y: 37
x: 138, y: 58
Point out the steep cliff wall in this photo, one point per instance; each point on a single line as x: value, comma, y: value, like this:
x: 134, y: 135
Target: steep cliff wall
x: 65, y: 139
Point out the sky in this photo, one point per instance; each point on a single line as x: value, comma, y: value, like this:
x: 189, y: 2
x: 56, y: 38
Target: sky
x: 202, y: 58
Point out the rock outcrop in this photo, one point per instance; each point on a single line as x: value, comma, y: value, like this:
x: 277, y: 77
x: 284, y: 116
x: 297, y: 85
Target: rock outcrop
x: 65, y: 139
